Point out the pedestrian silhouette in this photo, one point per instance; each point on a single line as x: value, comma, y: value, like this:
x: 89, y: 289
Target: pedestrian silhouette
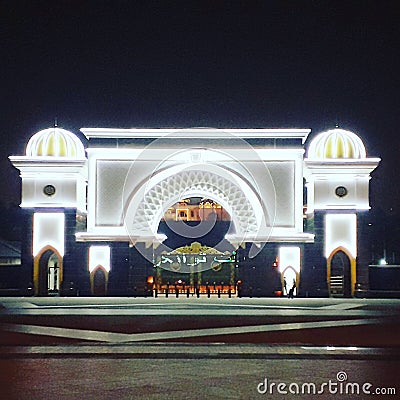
x: 292, y: 289
x: 284, y: 286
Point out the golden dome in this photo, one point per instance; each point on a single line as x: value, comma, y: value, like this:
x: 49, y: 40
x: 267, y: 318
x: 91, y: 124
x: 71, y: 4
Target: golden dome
x: 55, y: 142
x: 336, y: 144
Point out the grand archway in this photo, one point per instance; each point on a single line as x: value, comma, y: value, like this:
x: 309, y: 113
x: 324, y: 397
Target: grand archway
x: 115, y: 194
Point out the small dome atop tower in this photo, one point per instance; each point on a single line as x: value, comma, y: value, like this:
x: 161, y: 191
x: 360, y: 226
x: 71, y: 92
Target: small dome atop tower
x: 55, y: 142
x: 336, y: 144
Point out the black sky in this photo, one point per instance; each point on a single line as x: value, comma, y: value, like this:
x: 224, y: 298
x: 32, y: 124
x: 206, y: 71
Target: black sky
x: 306, y: 64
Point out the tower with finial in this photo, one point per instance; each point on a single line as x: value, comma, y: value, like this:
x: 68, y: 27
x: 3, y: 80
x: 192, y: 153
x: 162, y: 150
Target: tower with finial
x: 54, y: 175
x: 337, y: 172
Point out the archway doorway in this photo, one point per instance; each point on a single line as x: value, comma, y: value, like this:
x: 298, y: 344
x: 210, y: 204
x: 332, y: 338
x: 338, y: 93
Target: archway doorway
x: 195, y: 258
x: 195, y: 269
x: 196, y: 219
x: 99, y: 281
x: 289, y: 281
x: 340, y: 274
x: 48, y: 272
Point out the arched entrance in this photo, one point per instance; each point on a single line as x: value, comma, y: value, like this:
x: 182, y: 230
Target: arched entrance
x: 341, y: 273
x: 195, y: 269
x: 99, y: 281
x: 47, y: 272
x: 195, y: 257
x: 290, y: 279
x: 221, y: 188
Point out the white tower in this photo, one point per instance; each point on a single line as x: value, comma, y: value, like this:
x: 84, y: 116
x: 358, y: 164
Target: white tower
x: 337, y: 171
x: 54, y: 176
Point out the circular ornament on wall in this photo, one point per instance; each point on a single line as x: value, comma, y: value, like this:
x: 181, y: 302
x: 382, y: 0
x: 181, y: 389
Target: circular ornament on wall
x: 341, y: 191
x: 49, y: 190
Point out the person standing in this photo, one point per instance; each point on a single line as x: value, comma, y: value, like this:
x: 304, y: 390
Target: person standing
x: 292, y: 289
x: 284, y: 287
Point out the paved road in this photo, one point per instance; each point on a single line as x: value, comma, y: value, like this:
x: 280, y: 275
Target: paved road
x: 221, y: 379
x: 127, y: 320
x: 108, y: 348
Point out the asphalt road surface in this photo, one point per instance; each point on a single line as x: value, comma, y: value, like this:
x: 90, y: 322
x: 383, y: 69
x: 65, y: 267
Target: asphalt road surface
x: 125, y: 348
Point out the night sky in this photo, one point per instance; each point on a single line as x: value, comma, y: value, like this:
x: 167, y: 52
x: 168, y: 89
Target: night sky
x: 303, y: 64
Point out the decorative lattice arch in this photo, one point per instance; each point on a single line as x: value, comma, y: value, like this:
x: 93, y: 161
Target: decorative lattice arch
x: 191, y: 182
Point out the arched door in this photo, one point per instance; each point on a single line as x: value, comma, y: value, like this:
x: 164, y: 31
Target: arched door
x: 99, y: 280
x: 340, y: 274
x: 289, y: 281
x: 47, y: 276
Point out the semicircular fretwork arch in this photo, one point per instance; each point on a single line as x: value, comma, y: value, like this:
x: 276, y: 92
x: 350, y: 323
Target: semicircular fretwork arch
x: 234, y: 198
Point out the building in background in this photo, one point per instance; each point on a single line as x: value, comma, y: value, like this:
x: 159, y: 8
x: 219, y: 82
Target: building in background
x: 249, y: 212
x: 10, y: 266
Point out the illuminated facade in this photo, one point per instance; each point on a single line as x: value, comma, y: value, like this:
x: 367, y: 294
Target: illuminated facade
x: 235, y: 211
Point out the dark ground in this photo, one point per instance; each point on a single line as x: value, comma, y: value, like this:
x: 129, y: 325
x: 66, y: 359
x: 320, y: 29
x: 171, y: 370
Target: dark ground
x: 183, y: 351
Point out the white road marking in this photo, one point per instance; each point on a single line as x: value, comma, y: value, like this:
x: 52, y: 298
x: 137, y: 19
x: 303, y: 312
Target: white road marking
x: 111, y: 337
x: 341, y: 306
x: 21, y: 304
